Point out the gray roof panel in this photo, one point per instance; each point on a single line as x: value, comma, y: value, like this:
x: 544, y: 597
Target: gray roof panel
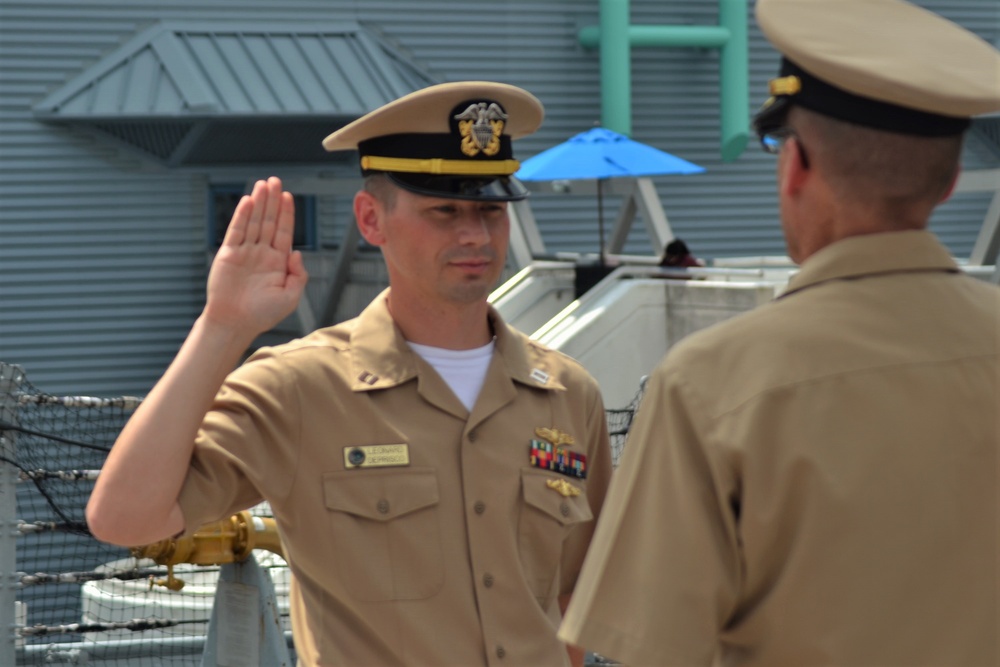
x: 187, y: 94
x: 255, y: 69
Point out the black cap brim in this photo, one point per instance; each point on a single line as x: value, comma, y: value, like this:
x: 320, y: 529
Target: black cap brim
x: 771, y: 115
x: 825, y: 98
x: 492, y: 188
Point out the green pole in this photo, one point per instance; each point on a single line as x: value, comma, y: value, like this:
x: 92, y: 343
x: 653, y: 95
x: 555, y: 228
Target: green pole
x: 711, y: 37
x: 616, y: 70
x: 734, y: 75
x: 615, y: 38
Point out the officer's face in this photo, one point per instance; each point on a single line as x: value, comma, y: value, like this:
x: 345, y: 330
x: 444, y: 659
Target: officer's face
x: 443, y: 249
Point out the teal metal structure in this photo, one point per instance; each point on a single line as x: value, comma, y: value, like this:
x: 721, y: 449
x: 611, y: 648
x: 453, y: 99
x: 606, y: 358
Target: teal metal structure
x: 616, y: 37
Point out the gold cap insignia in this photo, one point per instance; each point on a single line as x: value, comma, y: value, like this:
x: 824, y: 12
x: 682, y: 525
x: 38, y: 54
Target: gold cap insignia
x: 481, y: 125
x: 786, y: 85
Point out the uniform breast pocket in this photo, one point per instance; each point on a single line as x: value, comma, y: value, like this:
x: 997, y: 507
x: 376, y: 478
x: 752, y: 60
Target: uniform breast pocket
x: 385, y: 524
x: 547, y: 517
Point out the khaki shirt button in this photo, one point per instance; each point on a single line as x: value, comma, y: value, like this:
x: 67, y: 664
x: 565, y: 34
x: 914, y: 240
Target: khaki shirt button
x: 472, y: 436
x: 480, y: 507
x: 488, y: 580
x: 501, y: 652
x: 564, y: 509
x: 382, y: 506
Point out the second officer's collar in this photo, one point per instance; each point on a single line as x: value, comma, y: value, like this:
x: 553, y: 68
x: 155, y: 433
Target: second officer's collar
x: 873, y: 254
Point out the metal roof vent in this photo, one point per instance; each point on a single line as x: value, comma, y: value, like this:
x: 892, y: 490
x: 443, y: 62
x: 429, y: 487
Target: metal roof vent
x: 186, y: 94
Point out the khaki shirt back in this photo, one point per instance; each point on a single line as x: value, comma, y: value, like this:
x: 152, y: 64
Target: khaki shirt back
x: 814, y: 482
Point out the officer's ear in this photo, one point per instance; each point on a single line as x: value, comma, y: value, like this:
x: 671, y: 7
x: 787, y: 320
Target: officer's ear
x: 368, y: 213
x: 951, y: 188
x: 794, y: 167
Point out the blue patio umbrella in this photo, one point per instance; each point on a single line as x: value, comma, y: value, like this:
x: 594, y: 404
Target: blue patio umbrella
x: 601, y: 154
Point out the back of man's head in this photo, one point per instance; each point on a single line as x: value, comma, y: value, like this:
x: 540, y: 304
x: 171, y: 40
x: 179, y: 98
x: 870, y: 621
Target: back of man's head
x: 890, y: 174
x: 881, y: 90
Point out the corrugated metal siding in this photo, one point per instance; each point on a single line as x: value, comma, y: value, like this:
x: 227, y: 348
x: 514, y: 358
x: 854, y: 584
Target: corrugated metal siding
x: 102, y: 263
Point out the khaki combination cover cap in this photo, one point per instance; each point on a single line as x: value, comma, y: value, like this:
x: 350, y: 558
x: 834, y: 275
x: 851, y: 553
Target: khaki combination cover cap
x: 452, y: 140
x: 421, y: 111
x: 889, y: 51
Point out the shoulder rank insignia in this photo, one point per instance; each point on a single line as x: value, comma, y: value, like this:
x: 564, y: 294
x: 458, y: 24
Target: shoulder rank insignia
x: 539, y: 376
x: 551, y: 453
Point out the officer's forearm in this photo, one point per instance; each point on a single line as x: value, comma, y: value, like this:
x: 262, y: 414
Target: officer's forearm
x: 135, y: 499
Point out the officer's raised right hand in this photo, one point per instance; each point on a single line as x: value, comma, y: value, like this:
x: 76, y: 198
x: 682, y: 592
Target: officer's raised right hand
x: 257, y: 279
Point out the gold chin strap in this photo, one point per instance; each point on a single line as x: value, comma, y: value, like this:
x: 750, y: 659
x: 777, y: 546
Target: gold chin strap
x: 440, y: 166
x: 786, y: 85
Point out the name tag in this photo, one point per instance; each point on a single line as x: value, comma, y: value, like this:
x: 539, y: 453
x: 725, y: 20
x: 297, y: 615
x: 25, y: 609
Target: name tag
x: 376, y: 456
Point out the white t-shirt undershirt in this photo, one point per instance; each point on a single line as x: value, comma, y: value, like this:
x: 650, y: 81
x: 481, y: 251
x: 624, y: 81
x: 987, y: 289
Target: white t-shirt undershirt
x: 463, y: 370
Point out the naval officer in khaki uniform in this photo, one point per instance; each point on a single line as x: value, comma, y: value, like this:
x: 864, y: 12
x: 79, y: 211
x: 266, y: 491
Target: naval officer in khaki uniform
x: 816, y: 481
x: 435, y: 475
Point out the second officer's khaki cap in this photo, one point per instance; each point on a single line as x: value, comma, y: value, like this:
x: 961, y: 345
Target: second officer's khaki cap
x: 886, y: 64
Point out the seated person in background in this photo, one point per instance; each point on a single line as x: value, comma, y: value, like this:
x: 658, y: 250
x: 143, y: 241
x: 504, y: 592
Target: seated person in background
x: 676, y: 254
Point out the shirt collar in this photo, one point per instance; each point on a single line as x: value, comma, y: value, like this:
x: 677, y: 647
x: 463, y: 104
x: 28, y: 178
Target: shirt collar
x: 873, y: 254
x: 382, y: 358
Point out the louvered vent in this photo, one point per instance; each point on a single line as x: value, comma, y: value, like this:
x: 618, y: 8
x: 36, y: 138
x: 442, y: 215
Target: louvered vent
x: 160, y: 139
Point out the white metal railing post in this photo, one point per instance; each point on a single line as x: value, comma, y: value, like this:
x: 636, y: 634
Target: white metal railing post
x: 10, y: 379
x: 245, y: 626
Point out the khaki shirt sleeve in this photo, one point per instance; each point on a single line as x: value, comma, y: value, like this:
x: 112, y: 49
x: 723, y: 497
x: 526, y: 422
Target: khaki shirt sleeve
x: 245, y: 446
x: 663, y: 571
x: 599, y: 470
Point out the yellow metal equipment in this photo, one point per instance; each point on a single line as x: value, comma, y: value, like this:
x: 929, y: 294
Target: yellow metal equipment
x: 227, y: 541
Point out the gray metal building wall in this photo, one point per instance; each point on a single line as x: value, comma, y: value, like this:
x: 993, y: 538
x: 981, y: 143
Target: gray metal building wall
x: 102, y: 254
